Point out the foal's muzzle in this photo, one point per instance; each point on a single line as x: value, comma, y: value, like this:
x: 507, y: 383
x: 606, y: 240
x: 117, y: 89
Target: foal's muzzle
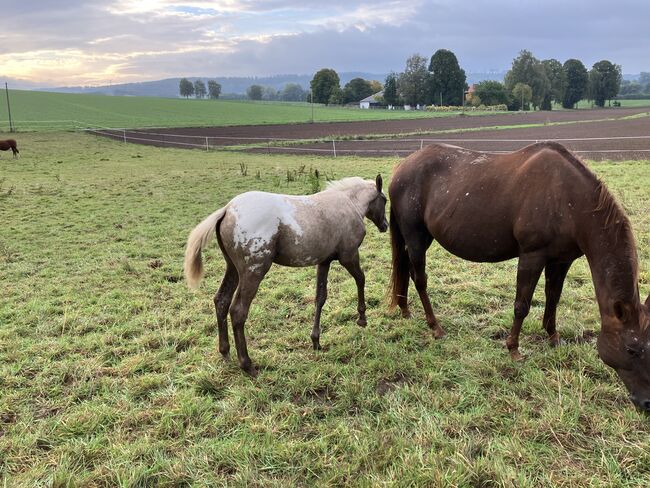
x: 384, y: 226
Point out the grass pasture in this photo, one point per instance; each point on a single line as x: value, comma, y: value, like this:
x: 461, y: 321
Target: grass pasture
x: 110, y: 374
x: 38, y: 111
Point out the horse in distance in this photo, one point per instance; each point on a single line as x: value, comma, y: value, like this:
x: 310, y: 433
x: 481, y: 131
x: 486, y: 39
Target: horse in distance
x: 9, y: 144
x: 539, y: 204
x: 256, y: 229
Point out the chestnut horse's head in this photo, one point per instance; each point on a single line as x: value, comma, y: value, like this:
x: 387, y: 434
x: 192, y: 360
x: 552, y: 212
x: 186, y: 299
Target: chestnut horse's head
x: 624, y: 344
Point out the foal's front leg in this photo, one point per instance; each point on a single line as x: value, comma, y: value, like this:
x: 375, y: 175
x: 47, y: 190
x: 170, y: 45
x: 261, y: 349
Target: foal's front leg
x: 351, y: 263
x: 321, y: 296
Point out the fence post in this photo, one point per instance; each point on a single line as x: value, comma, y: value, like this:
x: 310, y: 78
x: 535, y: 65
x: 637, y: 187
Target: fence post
x: 124, y: 135
x: 421, y: 143
x: 268, y: 146
x: 334, y: 146
x: 207, y: 147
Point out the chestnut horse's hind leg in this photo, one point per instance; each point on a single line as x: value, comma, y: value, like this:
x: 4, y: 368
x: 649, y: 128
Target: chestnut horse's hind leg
x: 321, y: 296
x: 555, y: 273
x: 249, y: 282
x: 529, y: 270
x: 417, y: 256
x: 222, y: 301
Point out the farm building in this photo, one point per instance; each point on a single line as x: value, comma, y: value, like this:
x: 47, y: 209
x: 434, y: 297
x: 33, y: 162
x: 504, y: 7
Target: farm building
x: 372, y: 100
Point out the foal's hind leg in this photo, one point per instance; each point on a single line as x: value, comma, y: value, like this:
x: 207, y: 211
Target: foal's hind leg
x: 555, y: 273
x: 351, y: 263
x: 529, y: 270
x: 249, y: 282
x: 321, y: 296
x: 222, y: 301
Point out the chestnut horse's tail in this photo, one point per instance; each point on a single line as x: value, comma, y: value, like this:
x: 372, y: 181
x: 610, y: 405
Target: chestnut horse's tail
x: 400, y: 273
x: 199, y: 238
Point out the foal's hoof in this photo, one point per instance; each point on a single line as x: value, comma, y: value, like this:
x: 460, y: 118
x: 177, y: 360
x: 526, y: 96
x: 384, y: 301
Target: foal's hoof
x: 225, y: 356
x: 317, y: 346
x: 362, y: 322
x: 250, y: 370
x: 406, y: 313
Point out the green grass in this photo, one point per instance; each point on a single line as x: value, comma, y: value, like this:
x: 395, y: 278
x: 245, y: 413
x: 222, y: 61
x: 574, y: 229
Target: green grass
x: 110, y: 375
x: 33, y: 110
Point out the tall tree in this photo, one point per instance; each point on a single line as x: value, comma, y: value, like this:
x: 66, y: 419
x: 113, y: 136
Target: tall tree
x: 199, y: 89
x: 391, y: 96
x: 447, y: 82
x: 604, y: 81
x: 413, y: 81
x: 492, y: 93
x: 356, y: 90
x: 376, y: 86
x: 527, y: 69
x: 214, y: 89
x: 576, y: 82
x: 523, y: 94
x: 186, y: 88
x: 323, y: 84
x: 254, y: 92
x: 557, y: 79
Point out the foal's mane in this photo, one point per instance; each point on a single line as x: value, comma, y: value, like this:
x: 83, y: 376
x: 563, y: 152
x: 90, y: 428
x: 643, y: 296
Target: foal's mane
x: 347, y: 183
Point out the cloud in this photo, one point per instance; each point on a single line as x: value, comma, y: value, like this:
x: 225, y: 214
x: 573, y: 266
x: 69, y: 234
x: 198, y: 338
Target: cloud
x: 92, y: 42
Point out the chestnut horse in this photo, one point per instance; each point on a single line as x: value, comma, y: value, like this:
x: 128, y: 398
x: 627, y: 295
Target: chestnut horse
x: 9, y: 144
x: 542, y: 205
x: 257, y: 229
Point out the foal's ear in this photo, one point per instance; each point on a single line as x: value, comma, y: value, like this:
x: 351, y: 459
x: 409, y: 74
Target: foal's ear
x: 379, y: 183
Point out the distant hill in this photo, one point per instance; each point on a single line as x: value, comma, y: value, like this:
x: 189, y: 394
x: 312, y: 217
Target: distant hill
x: 231, y: 87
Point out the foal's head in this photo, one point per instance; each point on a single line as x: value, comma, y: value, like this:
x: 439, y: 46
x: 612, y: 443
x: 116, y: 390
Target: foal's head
x: 624, y: 344
x: 377, y: 208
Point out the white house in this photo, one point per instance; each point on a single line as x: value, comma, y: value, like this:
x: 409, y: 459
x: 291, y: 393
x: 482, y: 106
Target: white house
x: 372, y: 100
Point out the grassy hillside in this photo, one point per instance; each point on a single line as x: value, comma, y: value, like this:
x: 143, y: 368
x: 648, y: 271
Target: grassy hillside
x: 29, y: 108
x: 110, y: 374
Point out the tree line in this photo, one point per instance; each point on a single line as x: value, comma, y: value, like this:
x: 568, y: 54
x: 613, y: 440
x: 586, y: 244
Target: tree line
x: 292, y: 92
x: 197, y: 89
x: 440, y: 80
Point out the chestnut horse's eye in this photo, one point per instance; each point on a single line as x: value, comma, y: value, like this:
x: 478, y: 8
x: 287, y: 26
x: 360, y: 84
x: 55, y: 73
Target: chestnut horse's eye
x: 635, y: 353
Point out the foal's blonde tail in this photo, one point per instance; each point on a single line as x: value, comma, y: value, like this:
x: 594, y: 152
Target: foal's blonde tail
x: 199, y: 238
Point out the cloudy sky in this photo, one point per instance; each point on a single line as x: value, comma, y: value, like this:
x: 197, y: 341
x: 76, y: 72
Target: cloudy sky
x: 97, y: 42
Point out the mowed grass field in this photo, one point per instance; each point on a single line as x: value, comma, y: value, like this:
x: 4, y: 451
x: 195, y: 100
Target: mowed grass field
x: 110, y: 374
x: 32, y: 110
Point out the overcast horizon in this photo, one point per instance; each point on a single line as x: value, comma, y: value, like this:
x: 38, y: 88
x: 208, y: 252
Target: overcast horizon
x: 118, y: 41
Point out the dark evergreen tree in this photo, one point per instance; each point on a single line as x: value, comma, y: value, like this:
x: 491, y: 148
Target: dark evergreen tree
x: 356, y: 90
x: 557, y: 79
x: 447, y: 82
x: 576, y: 82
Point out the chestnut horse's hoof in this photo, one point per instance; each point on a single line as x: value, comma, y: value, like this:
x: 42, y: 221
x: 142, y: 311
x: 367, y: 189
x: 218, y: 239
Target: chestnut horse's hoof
x: 439, y: 333
x: 250, y: 370
x: 515, y: 355
x: 555, y: 340
x: 225, y: 356
x: 316, y: 344
x: 362, y: 322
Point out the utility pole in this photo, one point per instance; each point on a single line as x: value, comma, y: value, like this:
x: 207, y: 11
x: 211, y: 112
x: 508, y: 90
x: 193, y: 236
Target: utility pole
x: 11, y: 125
x: 311, y: 99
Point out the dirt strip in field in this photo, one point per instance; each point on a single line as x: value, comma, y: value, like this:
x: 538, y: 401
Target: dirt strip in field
x: 609, y: 133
